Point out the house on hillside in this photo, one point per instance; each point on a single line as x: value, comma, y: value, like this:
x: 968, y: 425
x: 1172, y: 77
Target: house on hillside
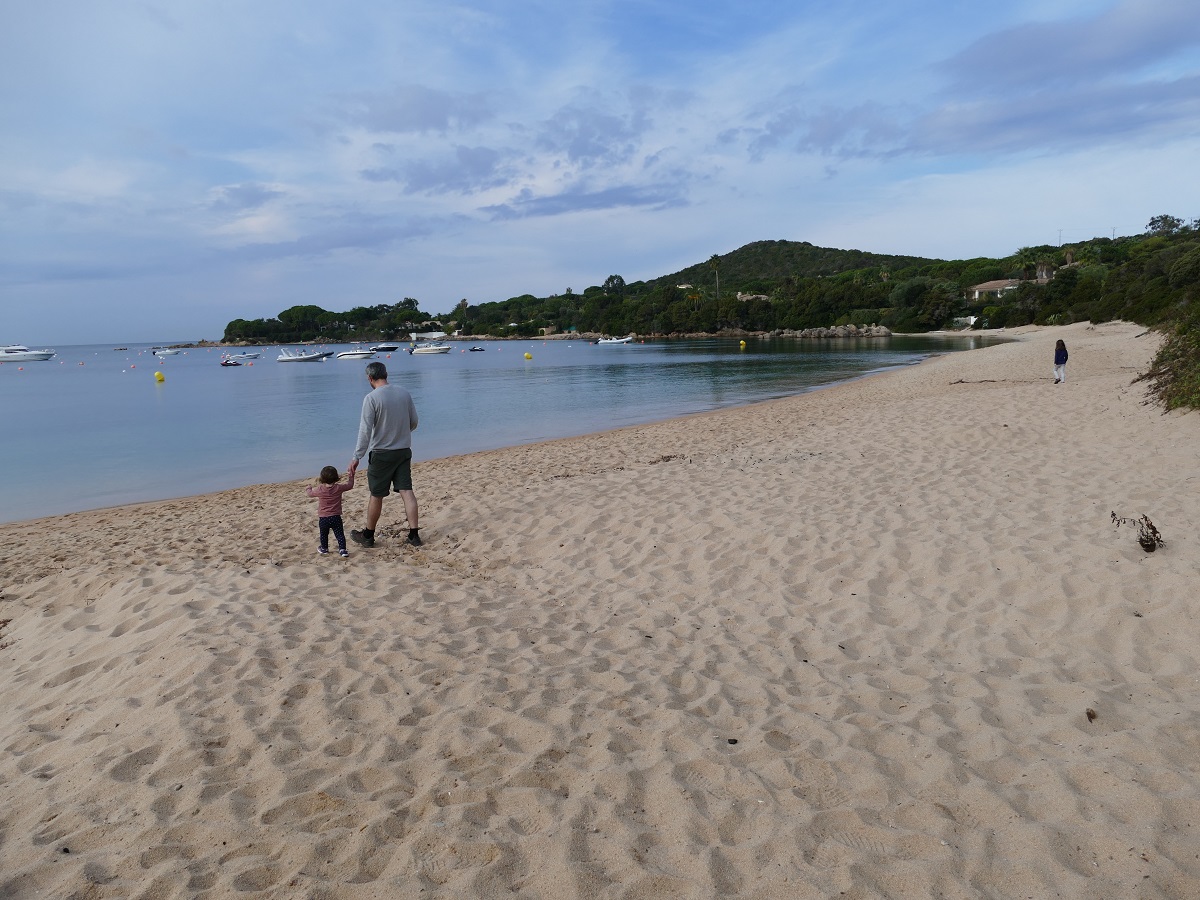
x: 995, y: 288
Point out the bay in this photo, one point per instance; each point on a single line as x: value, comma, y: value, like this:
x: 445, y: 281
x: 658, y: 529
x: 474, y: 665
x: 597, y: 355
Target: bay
x: 94, y: 427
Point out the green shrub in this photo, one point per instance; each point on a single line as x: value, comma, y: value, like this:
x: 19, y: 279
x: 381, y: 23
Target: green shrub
x: 1186, y: 270
x: 1174, y: 375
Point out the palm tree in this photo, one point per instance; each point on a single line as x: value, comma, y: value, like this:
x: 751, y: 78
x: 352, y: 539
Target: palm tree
x: 1025, y: 259
x: 715, y: 262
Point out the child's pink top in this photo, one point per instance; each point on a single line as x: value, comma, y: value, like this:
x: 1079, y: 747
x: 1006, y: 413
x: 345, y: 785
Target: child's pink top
x: 329, y: 496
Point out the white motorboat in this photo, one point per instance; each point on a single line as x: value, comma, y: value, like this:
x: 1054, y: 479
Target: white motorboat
x: 624, y: 340
x: 241, y: 357
x: 165, y: 351
x: 385, y: 348
x: 356, y: 354
x: 430, y: 347
x: 21, y: 353
x: 286, y: 355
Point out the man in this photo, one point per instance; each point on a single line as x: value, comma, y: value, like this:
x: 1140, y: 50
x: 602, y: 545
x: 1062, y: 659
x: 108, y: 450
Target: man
x: 385, y: 438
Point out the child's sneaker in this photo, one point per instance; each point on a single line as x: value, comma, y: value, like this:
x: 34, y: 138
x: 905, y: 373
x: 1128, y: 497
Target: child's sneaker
x: 344, y: 554
x: 322, y: 550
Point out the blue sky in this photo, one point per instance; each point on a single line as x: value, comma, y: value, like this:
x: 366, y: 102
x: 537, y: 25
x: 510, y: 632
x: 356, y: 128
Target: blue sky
x: 168, y: 167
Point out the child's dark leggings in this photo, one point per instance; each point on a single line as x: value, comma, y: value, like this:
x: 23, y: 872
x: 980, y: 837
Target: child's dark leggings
x: 335, y: 523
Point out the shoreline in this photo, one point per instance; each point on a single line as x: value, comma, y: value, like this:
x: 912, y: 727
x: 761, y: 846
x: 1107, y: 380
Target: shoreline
x: 304, y: 480
x: 842, y: 641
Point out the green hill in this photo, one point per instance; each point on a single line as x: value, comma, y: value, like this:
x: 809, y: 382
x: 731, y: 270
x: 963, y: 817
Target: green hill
x: 1151, y: 278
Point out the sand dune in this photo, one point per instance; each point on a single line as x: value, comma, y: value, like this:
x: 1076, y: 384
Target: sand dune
x: 841, y: 644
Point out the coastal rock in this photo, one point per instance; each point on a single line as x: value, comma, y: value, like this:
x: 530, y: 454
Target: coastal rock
x: 837, y: 331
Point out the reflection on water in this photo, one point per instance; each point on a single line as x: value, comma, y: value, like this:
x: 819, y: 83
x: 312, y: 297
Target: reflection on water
x: 93, y: 428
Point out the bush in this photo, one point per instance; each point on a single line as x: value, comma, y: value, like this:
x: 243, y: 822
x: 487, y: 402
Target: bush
x: 1174, y: 374
x: 1186, y: 270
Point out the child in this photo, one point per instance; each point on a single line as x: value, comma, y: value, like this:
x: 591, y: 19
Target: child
x: 1060, y: 362
x: 329, y: 508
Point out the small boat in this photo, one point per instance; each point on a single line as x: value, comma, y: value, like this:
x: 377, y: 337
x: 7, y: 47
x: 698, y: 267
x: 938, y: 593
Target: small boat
x: 165, y: 351
x: 21, y: 353
x: 286, y: 355
x: 624, y: 340
x: 477, y: 349
x: 385, y: 348
x: 356, y: 354
x: 430, y: 347
x: 226, y: 361
x: 249, y: 354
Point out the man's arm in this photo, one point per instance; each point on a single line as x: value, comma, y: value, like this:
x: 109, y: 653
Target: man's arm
x: 365, y: 428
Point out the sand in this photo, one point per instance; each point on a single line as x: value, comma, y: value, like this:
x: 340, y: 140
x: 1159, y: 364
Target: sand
x: 840, y: 644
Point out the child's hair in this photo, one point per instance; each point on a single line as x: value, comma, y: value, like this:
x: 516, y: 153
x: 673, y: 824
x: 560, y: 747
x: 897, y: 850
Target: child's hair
x: 329, y: 475
x: 1060, y: 346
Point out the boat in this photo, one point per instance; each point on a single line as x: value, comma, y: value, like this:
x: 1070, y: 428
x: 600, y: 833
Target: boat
x: 430, y: 347
x: 478, y: 349
x: 238, y: 357
x: 356, y: 354
x: 21, y: 353
x: 385, y: 348
x: 624, y: 340
x: 286, y: 355
x: 165, y: 351
x: 227, y: 361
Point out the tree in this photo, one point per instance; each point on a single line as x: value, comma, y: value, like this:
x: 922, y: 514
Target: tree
x: 714, y: 263
x: 614, y: 285
x: 299, y: 318
x: 1025, y: 260
x: 1164, y: 225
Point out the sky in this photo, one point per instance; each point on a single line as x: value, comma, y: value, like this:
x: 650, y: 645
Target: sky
x: 168, y: 167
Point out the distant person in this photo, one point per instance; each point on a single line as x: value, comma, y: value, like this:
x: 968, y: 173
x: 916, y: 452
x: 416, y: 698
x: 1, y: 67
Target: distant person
x: 329, y: 508
x: 1060, y: 362
x: 385, y: 438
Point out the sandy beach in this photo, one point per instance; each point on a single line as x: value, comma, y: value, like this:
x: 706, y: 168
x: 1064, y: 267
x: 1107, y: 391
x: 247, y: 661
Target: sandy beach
x: 843, y: 644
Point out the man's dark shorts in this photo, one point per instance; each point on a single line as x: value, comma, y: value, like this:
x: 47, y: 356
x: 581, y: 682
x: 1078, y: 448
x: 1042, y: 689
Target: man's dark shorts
x: 389, y: 469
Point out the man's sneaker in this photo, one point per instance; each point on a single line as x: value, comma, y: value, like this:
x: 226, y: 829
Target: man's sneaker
x: 322, y: 550
x: 344, y: 554
x: 361, y: 537
x: 414, y: 538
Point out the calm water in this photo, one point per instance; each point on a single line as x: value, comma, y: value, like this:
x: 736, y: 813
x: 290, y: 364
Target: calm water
x: 94, y: 428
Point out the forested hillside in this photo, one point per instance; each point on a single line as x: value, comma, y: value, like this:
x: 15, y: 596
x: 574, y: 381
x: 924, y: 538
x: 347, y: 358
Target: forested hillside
x: 1151, y: 278
x: 771, y: 285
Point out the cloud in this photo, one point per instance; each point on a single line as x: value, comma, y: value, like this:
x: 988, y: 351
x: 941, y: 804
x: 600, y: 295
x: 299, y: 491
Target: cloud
x: 469, y: 170
x: 590, y: 136
x: 1030, y: 88
x: 868, y: 129
x: 349, y: 231
x: 581, y: 200
x: 239, y: 197
x: 416, y: 109
x: 1111, y: 46
x: 1097, y: 116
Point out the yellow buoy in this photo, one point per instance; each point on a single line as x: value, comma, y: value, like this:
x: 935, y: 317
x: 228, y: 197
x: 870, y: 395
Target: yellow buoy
x: 529, y: 356
x: 743, y: 343
x: 160, y: 377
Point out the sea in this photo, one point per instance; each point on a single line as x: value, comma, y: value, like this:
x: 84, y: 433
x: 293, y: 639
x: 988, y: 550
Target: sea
x: 104, y: 425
